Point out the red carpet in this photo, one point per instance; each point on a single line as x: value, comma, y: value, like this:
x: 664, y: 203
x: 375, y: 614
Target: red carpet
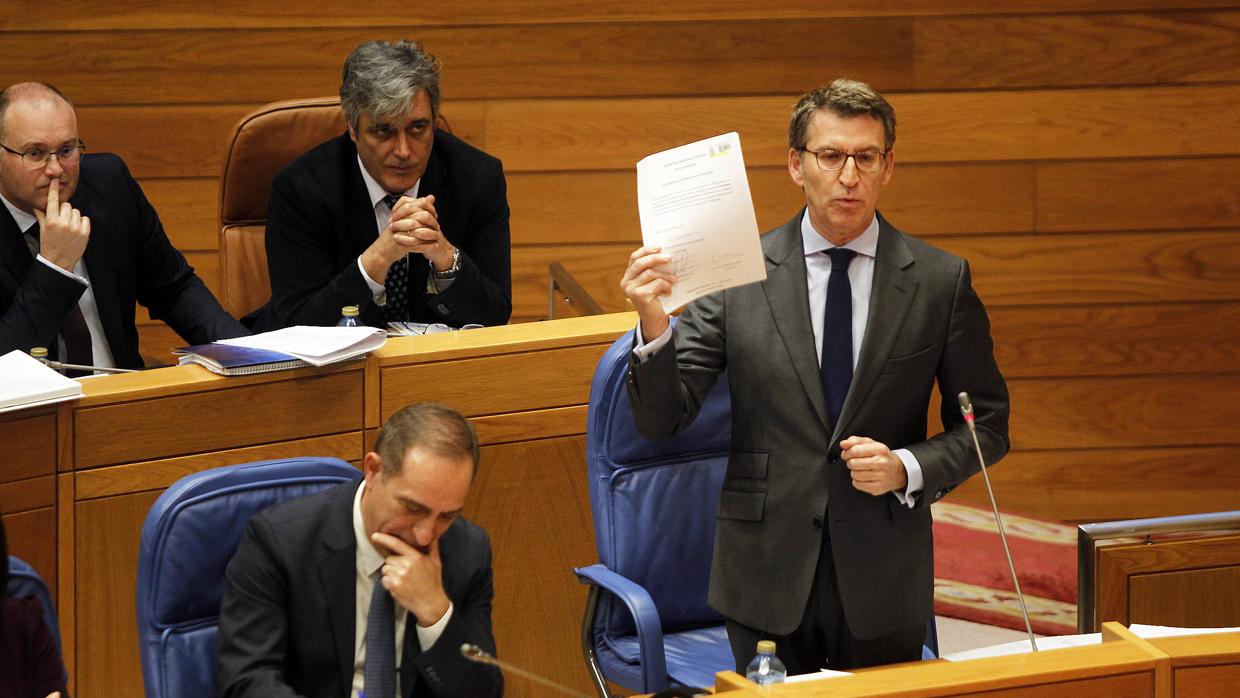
x: 971, y: 578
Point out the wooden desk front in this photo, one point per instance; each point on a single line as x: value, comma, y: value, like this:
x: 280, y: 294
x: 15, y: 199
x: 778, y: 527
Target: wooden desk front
x: 92, y: 468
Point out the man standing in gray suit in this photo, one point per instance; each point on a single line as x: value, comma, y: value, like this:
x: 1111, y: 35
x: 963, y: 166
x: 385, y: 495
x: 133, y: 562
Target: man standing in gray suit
x: 823, y: 541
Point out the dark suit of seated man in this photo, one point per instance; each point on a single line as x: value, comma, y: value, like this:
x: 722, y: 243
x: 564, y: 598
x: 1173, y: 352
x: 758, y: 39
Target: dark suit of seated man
x: 404, y: 221
x: 312, y: 575
x: 80, y: 245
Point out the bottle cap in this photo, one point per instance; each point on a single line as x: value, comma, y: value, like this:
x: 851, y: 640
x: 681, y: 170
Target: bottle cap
x: 38, y: 352
x: 349, y: 311
x: 766, y: 646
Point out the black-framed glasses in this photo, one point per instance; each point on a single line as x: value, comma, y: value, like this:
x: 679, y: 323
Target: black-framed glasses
x: 37, y: 158
x: 833, y: 160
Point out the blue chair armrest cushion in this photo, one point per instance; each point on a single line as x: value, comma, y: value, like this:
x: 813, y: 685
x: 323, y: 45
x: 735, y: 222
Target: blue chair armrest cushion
x: 645, y: 617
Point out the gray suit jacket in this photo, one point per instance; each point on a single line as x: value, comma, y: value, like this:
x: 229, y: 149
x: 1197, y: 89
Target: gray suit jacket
x: 925, y: 323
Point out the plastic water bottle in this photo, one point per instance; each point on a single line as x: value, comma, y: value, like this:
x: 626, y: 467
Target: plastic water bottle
x: 766, y: 669
x: 348, y: 317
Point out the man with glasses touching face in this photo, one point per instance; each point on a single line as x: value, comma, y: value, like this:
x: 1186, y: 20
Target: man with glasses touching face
x: 80, y: 245
x: 823, y: 538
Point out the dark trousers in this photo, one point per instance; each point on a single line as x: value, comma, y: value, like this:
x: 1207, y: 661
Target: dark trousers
x: 823, y: 639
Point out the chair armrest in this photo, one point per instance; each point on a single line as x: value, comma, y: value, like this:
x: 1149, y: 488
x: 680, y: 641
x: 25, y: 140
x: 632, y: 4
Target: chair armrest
x: 645, y: 618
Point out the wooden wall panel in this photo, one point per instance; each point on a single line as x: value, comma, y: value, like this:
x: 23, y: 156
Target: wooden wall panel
x: 1084, y: 157
x: 1078, y: 49
x: 102, y: 14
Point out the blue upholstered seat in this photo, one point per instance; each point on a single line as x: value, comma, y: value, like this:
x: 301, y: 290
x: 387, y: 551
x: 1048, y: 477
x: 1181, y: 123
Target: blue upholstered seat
x: 188, y: 538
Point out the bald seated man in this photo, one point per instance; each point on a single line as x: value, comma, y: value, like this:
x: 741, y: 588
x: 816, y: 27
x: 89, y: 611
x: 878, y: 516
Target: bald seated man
x: 80, y: 245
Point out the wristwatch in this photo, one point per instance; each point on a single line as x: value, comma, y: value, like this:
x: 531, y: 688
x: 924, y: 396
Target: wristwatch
x: 450, y: 272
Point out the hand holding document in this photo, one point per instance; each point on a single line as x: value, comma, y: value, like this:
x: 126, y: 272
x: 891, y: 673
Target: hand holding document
x: 694, y: 203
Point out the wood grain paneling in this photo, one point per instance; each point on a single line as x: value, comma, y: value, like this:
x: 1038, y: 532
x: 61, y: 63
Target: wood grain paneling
x: 1063, y: 50
x: 1125, y: 412
x: 1201, y: 598
x: 560, y: 134
x: 555, y: 60
x: 188, y: 208
x: 24, y: 495
x: 1092, y: 340
x: 1146, y: 194
x: 208, y: 420
x: 1107, y: 484
x: 531, y: 498
x: 101, y: 14
x: 107, y: 540
x: 188, y: 140
x: 514, y: 383
x: 1073, y: 269
x: 29, y: 447
x: 162, y: 473
x: 30, y: 535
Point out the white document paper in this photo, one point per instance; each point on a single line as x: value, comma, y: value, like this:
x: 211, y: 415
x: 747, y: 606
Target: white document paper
x: 317, y: 346
x: 1149, y: 632
x: 694, y: 202
x: 27, y: 382
x: 1056, y: 642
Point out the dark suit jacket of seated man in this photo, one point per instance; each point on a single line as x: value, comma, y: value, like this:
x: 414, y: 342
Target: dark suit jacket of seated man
x: 128, y: 256
x: 290, y: 620
x: 320, y: 219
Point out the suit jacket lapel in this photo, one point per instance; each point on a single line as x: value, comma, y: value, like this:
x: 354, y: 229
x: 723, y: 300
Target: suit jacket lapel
x: 890, y: 298
x: 337, y: 575
x: 787, y: 294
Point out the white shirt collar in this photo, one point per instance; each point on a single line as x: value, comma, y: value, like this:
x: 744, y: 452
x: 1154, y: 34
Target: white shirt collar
x: 376, y: 190
x: 368, y: 559
x: 865, y: 244
x: 24, y: 220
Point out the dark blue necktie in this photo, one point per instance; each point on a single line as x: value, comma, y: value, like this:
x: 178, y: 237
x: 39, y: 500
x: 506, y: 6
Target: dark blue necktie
x: 837, y: 334
x: 380, y: 667
x: 397, y: 283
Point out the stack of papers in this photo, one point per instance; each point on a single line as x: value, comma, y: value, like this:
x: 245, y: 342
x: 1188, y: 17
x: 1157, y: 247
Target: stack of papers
x: 27, y: 382
x: 290, y: 347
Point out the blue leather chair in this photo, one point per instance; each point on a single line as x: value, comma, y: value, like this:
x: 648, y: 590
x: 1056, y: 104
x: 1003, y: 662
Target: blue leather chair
x: 25, y: 582
x: 188, y: 538
x: 647, y: 626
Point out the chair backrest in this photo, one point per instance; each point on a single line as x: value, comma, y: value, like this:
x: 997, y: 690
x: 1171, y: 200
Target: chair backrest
x: 189, y: 536
x: 263, y: 143
x: 654, y: 502
x: 25, y: 582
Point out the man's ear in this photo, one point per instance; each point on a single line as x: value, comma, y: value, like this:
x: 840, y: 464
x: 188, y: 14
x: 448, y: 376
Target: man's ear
x: 794, y: 167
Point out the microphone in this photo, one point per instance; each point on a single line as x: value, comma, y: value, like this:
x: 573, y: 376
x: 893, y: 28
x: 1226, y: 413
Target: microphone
x: 475, y: 653
x: 40, y: 353
x: 966, y: 410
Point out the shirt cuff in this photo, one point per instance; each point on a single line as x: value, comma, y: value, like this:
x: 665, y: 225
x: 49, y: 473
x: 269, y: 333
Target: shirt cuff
x: 916, y: 481
x: 69, y: 274
x: 644, y: 351
x: 428, y: 636
x: 379, y: 291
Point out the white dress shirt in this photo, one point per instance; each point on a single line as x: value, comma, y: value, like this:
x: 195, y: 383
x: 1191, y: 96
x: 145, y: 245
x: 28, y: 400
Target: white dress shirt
x: 369, y: 566
x: 102, y: 353
x: 817, y: 271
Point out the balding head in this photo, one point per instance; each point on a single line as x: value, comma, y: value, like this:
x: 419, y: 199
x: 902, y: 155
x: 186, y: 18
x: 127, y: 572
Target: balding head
x: 28, y: 91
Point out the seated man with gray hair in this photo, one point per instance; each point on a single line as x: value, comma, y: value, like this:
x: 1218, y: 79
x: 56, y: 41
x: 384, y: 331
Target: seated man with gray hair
x: 401, y: 219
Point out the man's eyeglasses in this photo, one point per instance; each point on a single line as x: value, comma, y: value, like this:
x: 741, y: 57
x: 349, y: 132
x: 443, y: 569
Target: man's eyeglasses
x: 833, y: 160
x: 37, y: 158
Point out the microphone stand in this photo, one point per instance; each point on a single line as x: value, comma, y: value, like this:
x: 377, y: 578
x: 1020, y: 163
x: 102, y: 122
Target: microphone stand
x: 477, y: 654
x: 61, y: 366
x: 966, y: 410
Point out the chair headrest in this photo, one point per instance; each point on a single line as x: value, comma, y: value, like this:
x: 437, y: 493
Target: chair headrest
x: 263, y: 143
